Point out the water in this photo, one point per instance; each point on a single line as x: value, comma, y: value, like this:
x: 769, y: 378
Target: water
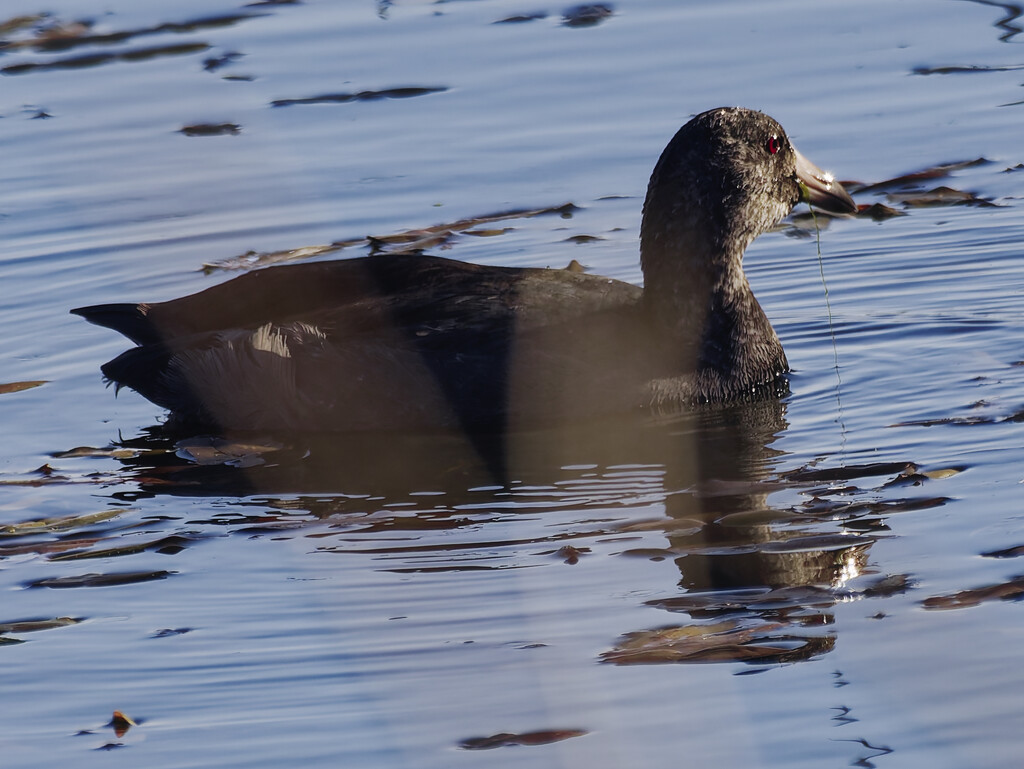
x: 382, y: 601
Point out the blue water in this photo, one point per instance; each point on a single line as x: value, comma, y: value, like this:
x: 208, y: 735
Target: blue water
x: 377, y: 602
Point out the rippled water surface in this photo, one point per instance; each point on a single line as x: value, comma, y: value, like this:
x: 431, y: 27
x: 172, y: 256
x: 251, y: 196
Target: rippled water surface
x: 825, y: 581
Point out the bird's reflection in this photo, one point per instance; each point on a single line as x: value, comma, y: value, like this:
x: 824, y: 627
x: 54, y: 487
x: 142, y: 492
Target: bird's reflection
x: 756, y: 583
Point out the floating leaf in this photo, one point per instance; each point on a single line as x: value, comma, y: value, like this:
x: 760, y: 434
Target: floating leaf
x: 943, y: 473
x: 90, y: 451
x: 908, y: 180
x: 252, y: 259
x: 1004, y: 591
x: 878, y: 212
x: 728, y: 641
x: 166, y: 545
x: 207, y: 450
x: 59, y: 523
x: 17, y: 387
x: 121, y: 723
x: 33, y: 625
x: 939, y: 196
x: 850, y: 471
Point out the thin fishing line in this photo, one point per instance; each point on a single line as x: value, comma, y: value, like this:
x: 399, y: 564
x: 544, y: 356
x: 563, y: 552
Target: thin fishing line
x: 831, y: 329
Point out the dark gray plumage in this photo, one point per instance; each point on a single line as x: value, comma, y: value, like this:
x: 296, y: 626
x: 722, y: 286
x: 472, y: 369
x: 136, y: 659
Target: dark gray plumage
x: 414, y: 342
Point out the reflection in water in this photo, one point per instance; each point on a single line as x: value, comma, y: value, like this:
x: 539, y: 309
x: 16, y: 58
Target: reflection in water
x: 1008, y: 23
x: 758, y: 581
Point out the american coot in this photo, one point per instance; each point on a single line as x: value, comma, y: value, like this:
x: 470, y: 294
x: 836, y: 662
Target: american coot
x: 414, y: 342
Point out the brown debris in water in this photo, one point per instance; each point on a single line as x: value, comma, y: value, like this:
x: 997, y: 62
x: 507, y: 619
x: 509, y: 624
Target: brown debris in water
x: 727, y: 641
x: 34, y: 625
x: 57, y: 523
x: 51, y: 34
x: 965, y: 69
x: 1009, y: 552
x: 504, y: 739
x: 211, y: 450
x: 939, y: 196
x: 17, y: 387
x: 938, y: 171
x: 121, y: 723
x: 878, y: 212
x: 409, y: 241
x: 907, y: 190
x: 1011, y: 590
x: 100, y: 580
x: 342, y: 98
x: 96, y: 59
x: 211, y: 129
x: 586, y: 15
x: 520, y: 18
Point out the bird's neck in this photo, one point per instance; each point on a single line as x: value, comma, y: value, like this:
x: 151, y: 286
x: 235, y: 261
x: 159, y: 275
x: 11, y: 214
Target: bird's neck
x: 687, y: 279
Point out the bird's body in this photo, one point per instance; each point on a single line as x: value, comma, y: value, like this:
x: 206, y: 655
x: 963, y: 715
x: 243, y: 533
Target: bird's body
x: 420, y: 342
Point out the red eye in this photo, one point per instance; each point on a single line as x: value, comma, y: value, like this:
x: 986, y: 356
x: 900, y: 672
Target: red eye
x: 773, y: 145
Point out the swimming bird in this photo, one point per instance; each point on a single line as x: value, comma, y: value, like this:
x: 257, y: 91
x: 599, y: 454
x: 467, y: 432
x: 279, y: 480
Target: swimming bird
x: 407, y: 341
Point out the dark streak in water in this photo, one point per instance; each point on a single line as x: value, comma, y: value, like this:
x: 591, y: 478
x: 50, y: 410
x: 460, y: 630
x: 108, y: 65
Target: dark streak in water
x: 522, y: 17
x: 504, y: 739
x: 96, y: 59
x: 340, y: 98
x: 1009, y: 552
x: 100, y: 580
x: 211, y: 129
x: 586, y: 15
x: 64, y: 43
x: 958, y: 70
